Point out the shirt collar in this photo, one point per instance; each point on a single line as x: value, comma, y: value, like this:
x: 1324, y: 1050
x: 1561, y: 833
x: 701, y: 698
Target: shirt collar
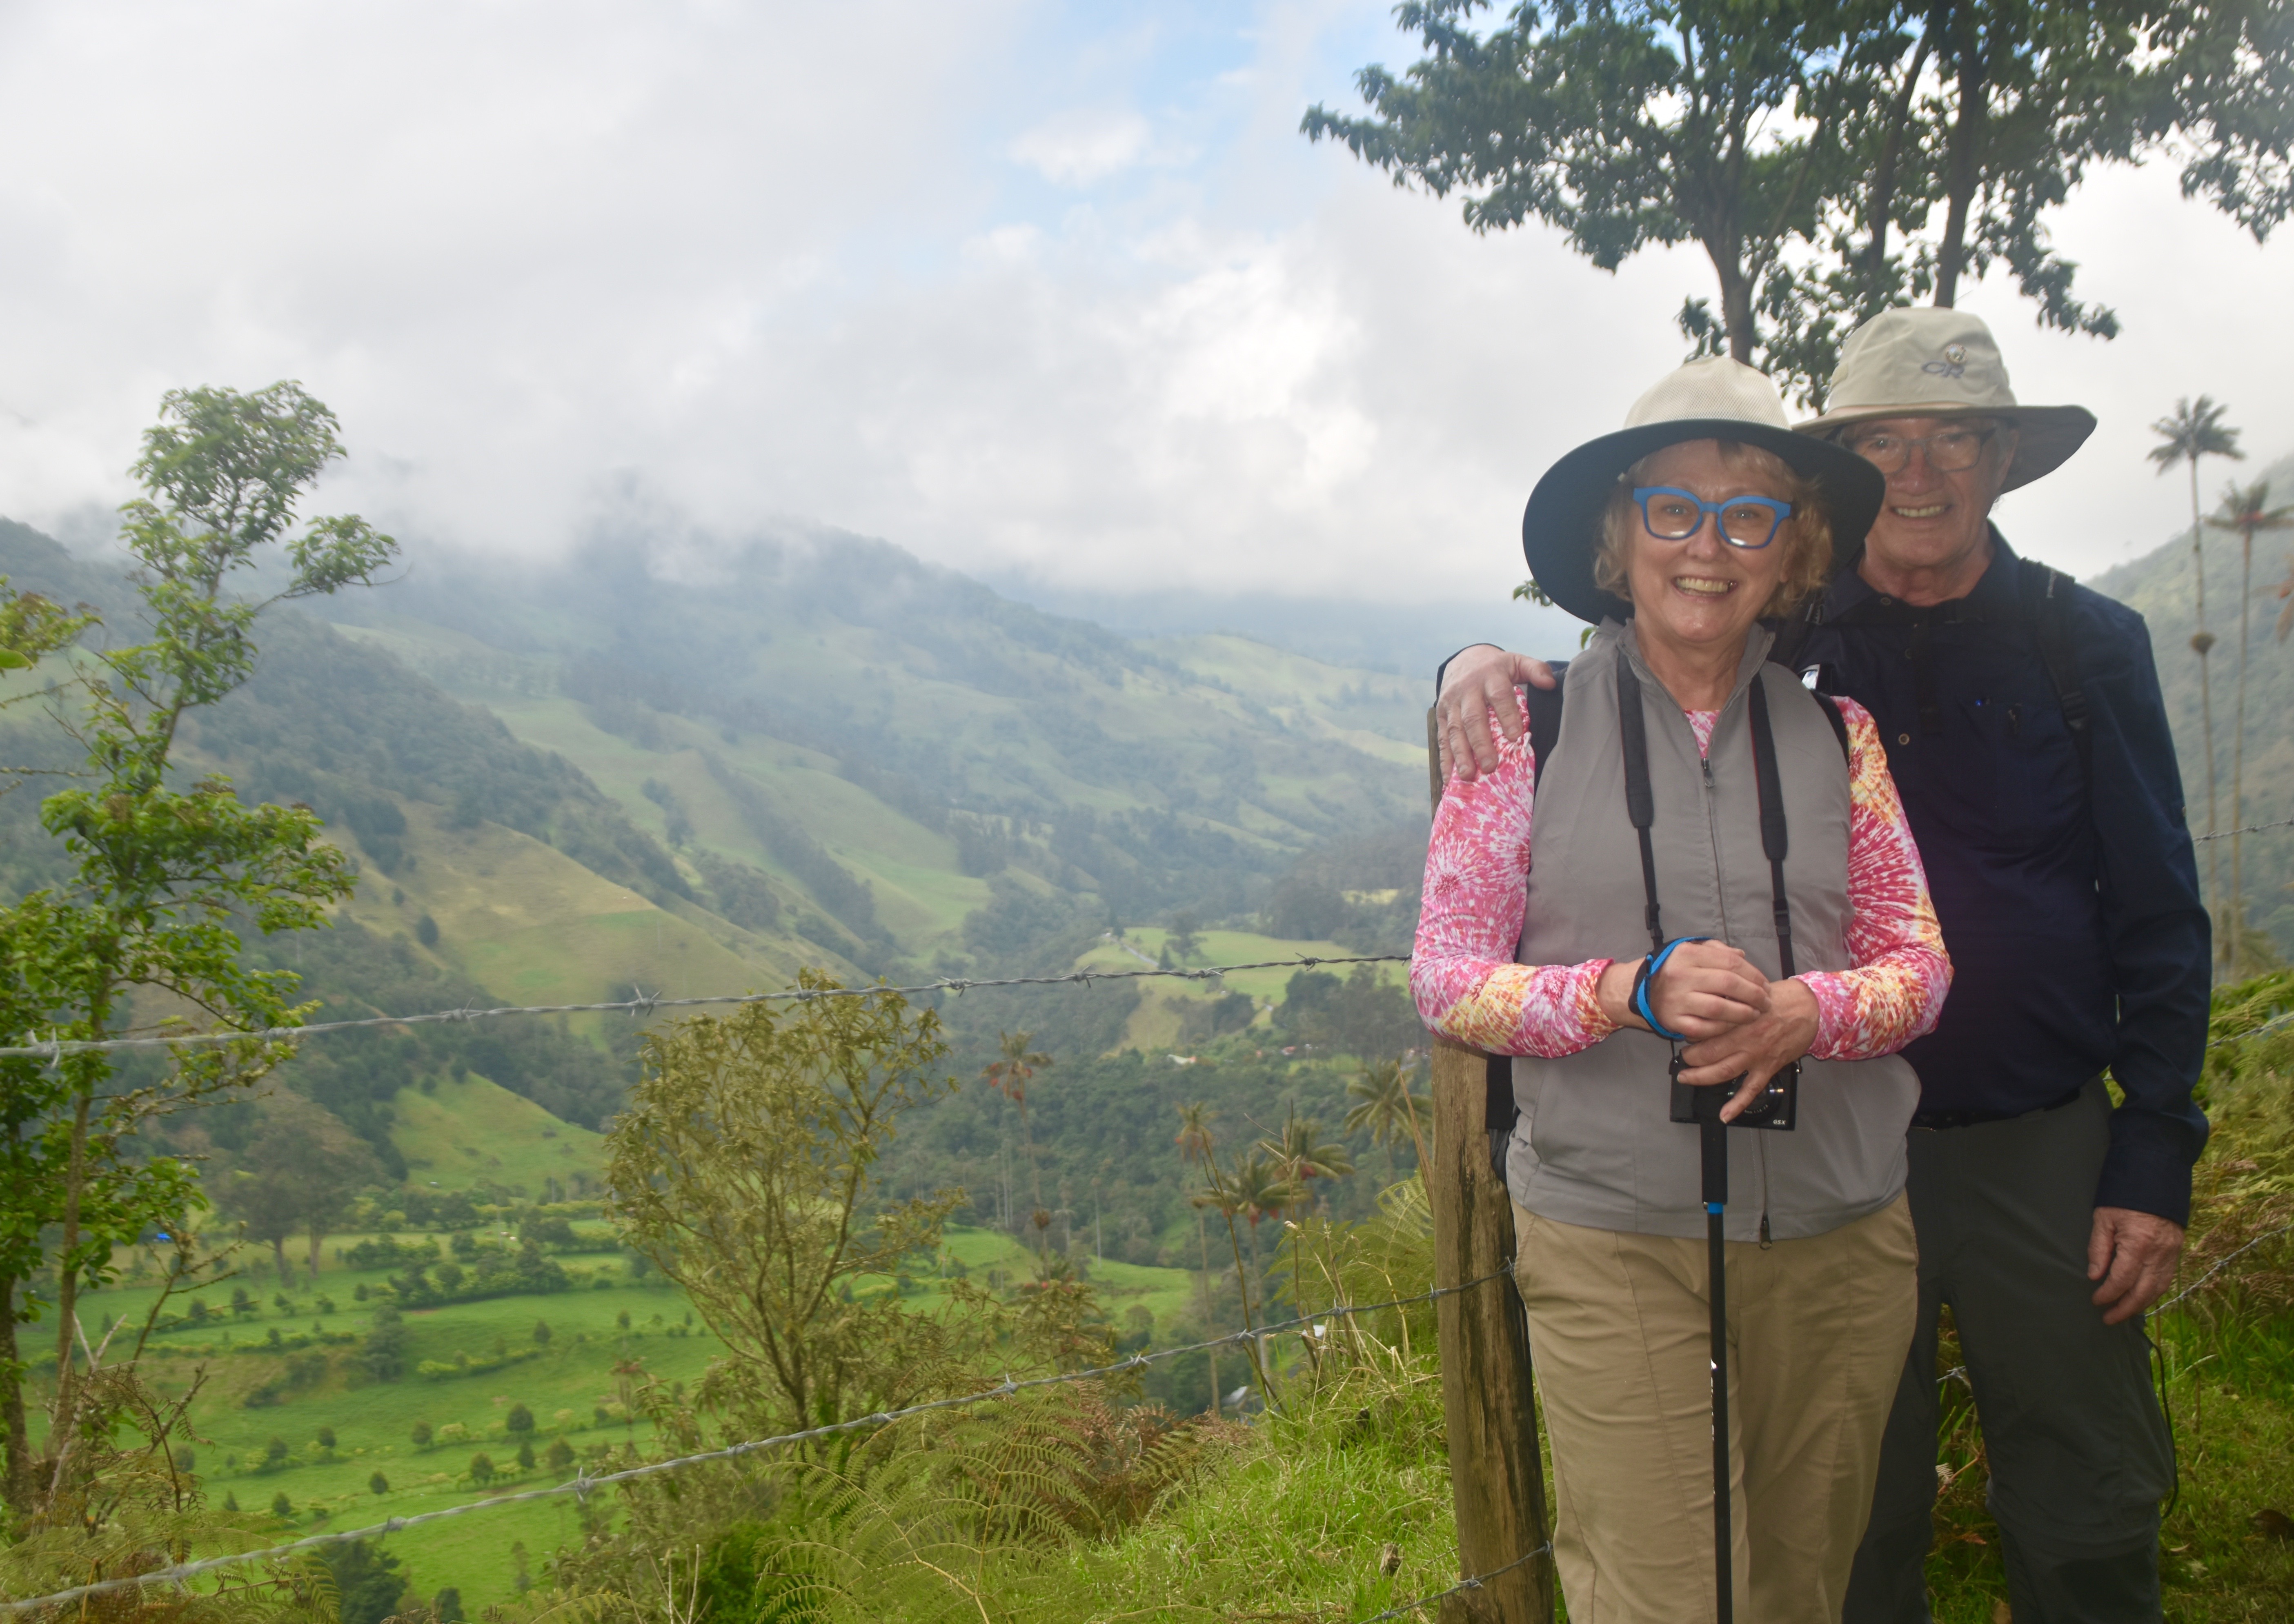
x: 1995, y: 591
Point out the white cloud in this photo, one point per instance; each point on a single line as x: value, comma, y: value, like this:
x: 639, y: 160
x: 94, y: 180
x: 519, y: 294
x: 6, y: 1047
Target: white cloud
x: 771, y: 264
x: 1083, y: 146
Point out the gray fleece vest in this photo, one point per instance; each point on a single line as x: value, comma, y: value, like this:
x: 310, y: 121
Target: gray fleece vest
x: 1594, y: 1146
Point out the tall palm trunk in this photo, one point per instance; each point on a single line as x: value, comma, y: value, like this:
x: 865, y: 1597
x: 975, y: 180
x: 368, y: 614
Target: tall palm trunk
x: 1203, y: 1237
x: 2204, y: 643
x: 2238, y: 768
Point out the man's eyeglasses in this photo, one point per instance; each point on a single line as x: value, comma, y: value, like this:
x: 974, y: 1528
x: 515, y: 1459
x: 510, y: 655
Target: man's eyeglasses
x: 1950, y: 450
x: 1671, y: 514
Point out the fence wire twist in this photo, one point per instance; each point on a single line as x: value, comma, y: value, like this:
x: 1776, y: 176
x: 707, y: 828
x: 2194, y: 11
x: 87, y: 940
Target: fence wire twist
x: 1462, y: 1586
x: 583, y: 1484
x: 2224, y: 834
x: 647, y: 1003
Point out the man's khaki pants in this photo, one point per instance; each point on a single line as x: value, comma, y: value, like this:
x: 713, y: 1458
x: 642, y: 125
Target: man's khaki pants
x: 1620, y: 1333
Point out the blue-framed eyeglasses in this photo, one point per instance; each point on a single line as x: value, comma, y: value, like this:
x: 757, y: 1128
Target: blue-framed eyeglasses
x: 1671, y: 514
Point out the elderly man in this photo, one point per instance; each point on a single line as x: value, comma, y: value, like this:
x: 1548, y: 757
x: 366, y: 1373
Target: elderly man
x: 2024, y: 727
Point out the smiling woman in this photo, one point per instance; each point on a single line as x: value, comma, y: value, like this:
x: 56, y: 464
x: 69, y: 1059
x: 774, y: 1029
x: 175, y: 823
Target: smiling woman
x: 1688, y: 787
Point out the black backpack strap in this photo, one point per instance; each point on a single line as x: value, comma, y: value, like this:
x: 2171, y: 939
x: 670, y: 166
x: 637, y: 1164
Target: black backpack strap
x: 1831, y: 709
x: 1544, y: 720
x: 1775, y: 841
x: 2047, y: 608
x: 1640, y: 800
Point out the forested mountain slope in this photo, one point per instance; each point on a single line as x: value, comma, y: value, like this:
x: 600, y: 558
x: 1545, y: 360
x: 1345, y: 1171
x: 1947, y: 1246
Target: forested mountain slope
x: 2162, y: 587
x: 951, y: 776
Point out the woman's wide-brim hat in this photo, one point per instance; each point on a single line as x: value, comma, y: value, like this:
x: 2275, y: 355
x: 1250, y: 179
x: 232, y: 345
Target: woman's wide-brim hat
x: 1713, y: 398
x: 1926, y: 363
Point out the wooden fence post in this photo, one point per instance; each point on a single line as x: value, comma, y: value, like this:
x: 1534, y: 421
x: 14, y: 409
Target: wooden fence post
x: 1497, y: 1478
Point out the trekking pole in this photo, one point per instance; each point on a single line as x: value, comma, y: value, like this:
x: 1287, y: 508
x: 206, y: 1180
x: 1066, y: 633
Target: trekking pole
x: 1712, y: 1137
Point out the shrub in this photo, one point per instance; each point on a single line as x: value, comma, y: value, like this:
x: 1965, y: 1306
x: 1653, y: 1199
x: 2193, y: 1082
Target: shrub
x: 520, y: 1420
x: 274, y: 1453
x: 559, y: 1456
x: 326, y: 1437
x: 280, y: 1506
x: 421, y: 1435
x: 446, y: 1606
x: 378, y: 1483
x: 526, y: 1455
x: 541, y: 1332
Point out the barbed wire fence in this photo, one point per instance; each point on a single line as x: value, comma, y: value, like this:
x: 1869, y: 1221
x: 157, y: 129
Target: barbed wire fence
x: 583, y: 1484
x: 644, y: 1004
x: 649, y: 1003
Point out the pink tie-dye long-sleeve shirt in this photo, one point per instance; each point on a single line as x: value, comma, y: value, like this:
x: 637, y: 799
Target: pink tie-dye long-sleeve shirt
x: 1468, y: 986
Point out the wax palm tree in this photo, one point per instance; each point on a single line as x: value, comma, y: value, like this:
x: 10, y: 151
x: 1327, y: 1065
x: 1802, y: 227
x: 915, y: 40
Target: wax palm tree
x: 2195, y: 429
x: 1010, y: 1076
x: 2248, y: 511
x: 1388, y: 1107
x: 1262, y: 1192
x: 1194, y: 1142
x: 1298, y: 1157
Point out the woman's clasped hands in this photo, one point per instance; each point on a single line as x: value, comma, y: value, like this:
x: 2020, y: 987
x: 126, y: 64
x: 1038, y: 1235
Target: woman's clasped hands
x: 1740, y: 1023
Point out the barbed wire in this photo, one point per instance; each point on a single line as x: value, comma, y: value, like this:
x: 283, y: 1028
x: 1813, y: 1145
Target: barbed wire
x: 2264, y: 1030
x: 645, y: 1003
x: 2224, y: 834
x: 1463, y: 1585
x: 583, y: 1485
x: 2220, y: 1263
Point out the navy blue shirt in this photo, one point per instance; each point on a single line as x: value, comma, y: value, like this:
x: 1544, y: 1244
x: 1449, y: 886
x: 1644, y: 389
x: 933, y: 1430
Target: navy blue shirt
x: 2077, y: 937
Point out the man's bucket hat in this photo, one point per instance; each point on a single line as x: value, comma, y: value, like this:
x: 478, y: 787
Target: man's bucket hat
x: 1926, y: 363
x: 1713, y: 398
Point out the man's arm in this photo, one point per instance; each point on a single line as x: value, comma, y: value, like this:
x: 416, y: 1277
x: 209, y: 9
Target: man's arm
x: 2156, y: 929
x: 1472, y: 686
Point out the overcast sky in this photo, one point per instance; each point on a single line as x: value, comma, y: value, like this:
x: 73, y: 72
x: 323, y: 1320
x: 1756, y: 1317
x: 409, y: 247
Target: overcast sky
x: 1031, y: 288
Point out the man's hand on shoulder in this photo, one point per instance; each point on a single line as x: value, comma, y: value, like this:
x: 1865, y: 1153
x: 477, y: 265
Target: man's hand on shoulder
x: 2133, y: 1254
x: 1479, y: 685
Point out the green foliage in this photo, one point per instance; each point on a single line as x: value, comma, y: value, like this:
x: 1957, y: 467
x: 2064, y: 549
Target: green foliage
x: 164, y: 879
x: 745, y: 1170
x: 1954, y: 127
x: 368, y: 1585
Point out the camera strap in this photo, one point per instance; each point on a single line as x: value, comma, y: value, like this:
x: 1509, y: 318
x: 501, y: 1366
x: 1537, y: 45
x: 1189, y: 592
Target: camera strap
x: 1640, y: 804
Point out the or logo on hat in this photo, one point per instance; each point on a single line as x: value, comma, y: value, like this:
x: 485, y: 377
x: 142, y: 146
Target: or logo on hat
x: 1953, y: 364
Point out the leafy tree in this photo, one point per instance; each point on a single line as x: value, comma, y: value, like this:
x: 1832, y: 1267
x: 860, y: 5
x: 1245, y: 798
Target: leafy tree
x: 482, y: 1468
x: 744, y: 1169
x: 2192, y: 430
x: 421, y: 1435
x: 519, y: 1420
x: 1789, y: 141
x: 275, y: 1451
x: 325, y: 1437
x: 558, y: 1456
x: 280, y: 1506
x: 383, y: 1354
x: 2247, y: 511
x: 446, y: 1606
x: 1626, y: 126
x: 165, y: 876
x: 1186, y: 936
x: 526, y: 1455
x: 541, y: 1332
x: 378, y: 1484
x: 368, y: 1585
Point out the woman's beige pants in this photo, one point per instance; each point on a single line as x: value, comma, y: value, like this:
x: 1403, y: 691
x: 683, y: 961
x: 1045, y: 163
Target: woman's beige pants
x: 1620, y: 1334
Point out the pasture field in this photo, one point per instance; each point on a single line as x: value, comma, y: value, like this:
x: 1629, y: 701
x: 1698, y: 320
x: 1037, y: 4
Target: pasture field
x: 613, y: 1330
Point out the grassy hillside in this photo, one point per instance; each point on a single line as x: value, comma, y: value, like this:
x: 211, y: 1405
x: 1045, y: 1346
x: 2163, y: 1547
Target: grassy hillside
x: 2163, y: 585
x: 463, y: 1133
